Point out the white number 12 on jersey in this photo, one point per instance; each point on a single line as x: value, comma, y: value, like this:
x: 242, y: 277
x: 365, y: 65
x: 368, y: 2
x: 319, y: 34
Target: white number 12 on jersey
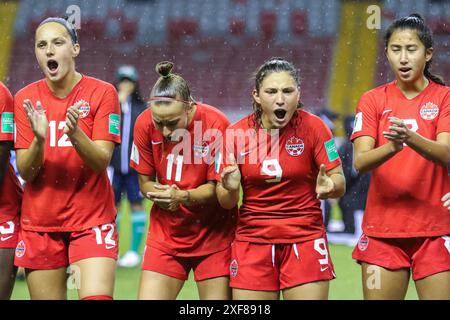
x: 64, y: 140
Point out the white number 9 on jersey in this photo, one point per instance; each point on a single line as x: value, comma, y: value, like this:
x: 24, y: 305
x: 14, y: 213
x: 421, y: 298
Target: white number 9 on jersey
x: 272, y: 168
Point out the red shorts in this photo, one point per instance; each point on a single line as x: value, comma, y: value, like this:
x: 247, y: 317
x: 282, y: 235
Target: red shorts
x: 273, y: 267
x: 53, y: 250
x: 205, y: 267
x: 9, y: 233
x: 425, y: 256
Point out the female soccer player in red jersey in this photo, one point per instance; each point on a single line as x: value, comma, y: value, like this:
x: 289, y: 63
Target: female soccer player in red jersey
x: 67, y: 126
x: 402, y: 134
x: 280, y: 238
x: 10, y: 196
x: 174, y: 151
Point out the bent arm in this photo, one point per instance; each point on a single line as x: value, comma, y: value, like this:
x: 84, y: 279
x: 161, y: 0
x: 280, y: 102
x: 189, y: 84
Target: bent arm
x: 367, y: 158
x: 5, y: 147
x: 227, y: 199
x: 437, y: 151
x: 97, y: 154
x: 30, y: 161
x: 338, y: 178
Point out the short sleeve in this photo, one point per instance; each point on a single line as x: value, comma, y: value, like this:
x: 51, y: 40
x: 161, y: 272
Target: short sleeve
x: 366, y: 119
x: 23, y: 133
x: 228, y: 147
x: 217, y: 151
x: 6, y: 115
x: 443, y: 123
x: 141, y: 158
x: 324, y: 146
x: 107, y: 117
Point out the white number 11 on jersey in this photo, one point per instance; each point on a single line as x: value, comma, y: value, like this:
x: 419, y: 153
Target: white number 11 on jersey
x: 179, y: 163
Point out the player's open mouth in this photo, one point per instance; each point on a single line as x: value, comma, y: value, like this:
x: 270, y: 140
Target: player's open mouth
x: 404, y: 70
x: 280, y: 113
x: 52, y: 66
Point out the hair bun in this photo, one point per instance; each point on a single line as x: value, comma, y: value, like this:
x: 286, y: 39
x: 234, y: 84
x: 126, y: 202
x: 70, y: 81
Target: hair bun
x: 164, y: 68
x: 417, y: 16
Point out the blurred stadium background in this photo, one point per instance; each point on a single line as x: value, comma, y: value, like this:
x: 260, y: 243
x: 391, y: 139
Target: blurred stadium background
x: 216, y: 45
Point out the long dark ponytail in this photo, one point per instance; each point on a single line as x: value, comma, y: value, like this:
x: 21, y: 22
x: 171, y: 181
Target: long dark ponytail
x: 416, y: 22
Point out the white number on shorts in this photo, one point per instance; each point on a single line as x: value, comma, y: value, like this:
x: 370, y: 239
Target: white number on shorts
x: 109, y: 242
x: 7, y: 230
x: 447, y: 242
x: 321, y: 247
x: 272, y: 168
x: 64, y: 140
x: 179, y: 162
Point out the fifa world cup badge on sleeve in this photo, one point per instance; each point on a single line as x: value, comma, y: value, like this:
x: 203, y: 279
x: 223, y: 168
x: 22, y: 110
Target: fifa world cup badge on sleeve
x: 114, y: 124
x: 331, y: 149
x: 7, y: 125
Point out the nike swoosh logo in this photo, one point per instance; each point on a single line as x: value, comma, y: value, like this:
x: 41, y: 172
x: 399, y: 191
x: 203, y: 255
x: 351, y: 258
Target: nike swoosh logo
x: 156, y: 142
x: 323, y: 269
x: 6, y: 238
x: 244, y: 153
x: 110, y: 247
x: 386, y: 111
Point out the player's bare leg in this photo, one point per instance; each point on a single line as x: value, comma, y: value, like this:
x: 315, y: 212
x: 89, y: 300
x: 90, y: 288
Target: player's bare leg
x: 47, y: 284
x: 434, y: 287
x: 157, y: 286
x: 241, y: 294
x: 96, y: 276
x: 309, y: 291
x: 214, y: 289
x: 8, y: 273
x: 383, y: 284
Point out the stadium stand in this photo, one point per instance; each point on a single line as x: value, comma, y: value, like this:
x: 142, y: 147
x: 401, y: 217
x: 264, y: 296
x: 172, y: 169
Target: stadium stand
x: 215, y: 44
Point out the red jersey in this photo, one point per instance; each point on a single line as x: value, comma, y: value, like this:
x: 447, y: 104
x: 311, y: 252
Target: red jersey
x: 192, y: 230
x: 67, y: 195
x: 280, y: 204
x: 405, y: 191
x: 10, y: 189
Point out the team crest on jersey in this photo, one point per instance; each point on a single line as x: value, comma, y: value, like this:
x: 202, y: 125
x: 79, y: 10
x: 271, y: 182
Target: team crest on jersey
x: 363, y: 242
x: 20, y: 249
x: 295, y: 146
x: 202, y: 150
x: 429, y: 111
x: 84, y: 109
x: 233, y: 268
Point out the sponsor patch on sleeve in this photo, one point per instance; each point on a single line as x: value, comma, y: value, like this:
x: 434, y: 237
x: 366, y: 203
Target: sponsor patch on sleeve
x: 358, y: 122
x: 134, y: 154
x: 7, y: 125
x: 330, y: 147
x: 114, y: 124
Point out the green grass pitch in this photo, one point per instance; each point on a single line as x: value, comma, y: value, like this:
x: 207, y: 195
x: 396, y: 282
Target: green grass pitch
x: 346, y: 286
